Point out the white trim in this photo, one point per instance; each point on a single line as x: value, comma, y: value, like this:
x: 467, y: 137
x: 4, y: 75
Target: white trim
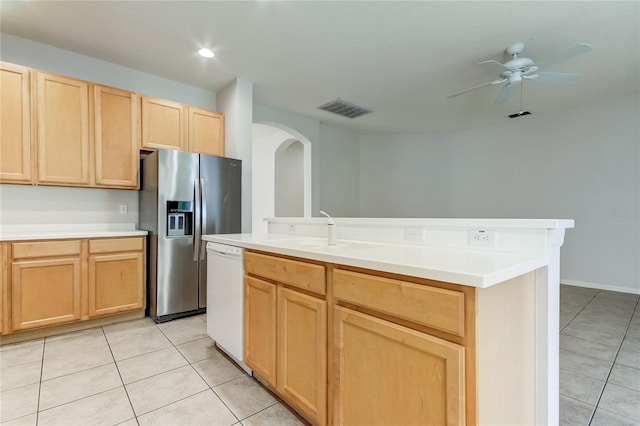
x: 601, y: 286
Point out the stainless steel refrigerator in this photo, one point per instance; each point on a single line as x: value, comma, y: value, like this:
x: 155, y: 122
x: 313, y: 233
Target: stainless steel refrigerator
x: 183, y: 196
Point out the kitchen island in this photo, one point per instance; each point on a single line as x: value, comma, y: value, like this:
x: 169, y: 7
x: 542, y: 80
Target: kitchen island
x: 406, y: 321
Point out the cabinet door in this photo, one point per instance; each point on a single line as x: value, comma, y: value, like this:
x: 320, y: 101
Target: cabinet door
x: 163, y: 124
x: 260, y: 328
x: 63, y: 130
x: 389, y: 374
x: 302, y: 352
x: 15, y: 124
x: 206, y: 132
x: 117, y: 137
x: 115, y: 283
x: 3, y: 287
x: 44, y: 292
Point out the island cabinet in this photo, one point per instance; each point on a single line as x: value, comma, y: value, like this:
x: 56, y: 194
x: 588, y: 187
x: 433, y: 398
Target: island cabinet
x: 399, y: 352
x: 350, y: 346
x: 286, y: 330
x: 15, y: 124
x: 53, y: 282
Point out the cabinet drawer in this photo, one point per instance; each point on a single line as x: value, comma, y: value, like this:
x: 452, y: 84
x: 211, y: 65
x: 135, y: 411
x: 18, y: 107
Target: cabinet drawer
x: 110, y: 245
x: 434, y: 307
x: 307, y: 276
x: 45, y: 249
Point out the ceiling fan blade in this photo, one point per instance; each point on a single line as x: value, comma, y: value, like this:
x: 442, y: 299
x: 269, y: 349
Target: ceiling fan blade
x: 495, y: 66
x: 565, y: 55
x: 504, y: 95
x: 559, y: 77
x: 502, y: 80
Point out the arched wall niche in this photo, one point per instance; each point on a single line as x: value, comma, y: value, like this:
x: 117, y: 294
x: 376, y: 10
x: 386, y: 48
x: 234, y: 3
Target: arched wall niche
x: 277, y: 146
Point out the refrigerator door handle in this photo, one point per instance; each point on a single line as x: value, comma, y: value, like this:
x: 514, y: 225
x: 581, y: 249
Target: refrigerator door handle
x: 196, y: 237
x: 203, y: 210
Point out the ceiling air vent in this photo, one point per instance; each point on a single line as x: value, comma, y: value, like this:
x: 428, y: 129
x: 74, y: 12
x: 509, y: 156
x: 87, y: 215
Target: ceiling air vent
x: 345, y: 108
x: 519, y: 114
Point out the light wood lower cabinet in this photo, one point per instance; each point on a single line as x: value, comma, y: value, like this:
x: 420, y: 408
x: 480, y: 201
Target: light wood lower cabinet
x: 114, y: 283
x: 390, y: 374
x: 260, y: 327
x: 286, y: 331
x: 301, y: 355
x: 4, y: 278
x: 346, y: 346
x: 45, y: 292
x: 49, y: 283
x: 45, y: 283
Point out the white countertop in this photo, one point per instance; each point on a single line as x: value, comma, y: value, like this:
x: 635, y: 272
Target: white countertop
x: 64, y: 231
x: 476, y: 268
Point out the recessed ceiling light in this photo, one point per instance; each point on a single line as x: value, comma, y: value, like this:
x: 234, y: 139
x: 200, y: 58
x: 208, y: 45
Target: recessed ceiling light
x: 206, y: 53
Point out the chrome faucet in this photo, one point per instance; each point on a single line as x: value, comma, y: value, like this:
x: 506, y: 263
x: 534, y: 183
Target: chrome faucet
x: 331, y: 229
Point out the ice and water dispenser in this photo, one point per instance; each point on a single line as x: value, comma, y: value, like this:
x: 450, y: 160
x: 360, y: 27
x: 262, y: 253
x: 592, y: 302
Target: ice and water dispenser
x: 179, y: 218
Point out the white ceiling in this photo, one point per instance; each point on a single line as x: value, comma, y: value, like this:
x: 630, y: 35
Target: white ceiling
x: 400, y: 59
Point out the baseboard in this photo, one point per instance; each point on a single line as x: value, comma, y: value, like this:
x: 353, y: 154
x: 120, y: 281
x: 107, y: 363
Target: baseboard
x: 54, y: 330
x: 601, y: 286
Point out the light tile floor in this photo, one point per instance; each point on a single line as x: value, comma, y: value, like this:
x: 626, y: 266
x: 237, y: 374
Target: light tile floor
x: 138, y: 372
x: 132, y: 373
x: 599, y: 357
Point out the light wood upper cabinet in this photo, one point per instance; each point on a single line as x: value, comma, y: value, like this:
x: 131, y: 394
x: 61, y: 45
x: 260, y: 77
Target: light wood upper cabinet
x: 301, y: 355
x: 15, y: 124
x: 116, y: 137
x: 260, y: 328
x: 206, y: 132
x: 389, y: 374
x: 63, y: 130
x: 163, y: 124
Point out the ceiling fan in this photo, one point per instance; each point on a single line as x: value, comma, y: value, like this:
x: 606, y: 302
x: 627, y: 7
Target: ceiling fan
x: 518, y: 69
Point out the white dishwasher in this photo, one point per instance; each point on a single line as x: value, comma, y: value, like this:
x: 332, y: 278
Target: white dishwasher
x: 225, y: 299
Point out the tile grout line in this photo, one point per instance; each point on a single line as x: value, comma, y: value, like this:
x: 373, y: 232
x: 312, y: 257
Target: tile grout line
x: 606, y: 382
x: 199, y: 375
x: 135, y: 416
x: 173, y: 369
x: 44, y: 342
x: 579, y: 312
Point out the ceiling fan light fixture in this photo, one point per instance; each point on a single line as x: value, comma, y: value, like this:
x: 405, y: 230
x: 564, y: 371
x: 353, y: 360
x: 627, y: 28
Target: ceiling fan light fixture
x: 206, y: 53
x: 519, y: 114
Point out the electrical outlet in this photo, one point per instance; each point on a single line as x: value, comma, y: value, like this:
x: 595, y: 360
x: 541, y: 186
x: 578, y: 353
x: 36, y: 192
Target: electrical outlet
x: 292, y: 229
x: 482, y: 238
x: 414, y: 234
x: 123, y: 209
